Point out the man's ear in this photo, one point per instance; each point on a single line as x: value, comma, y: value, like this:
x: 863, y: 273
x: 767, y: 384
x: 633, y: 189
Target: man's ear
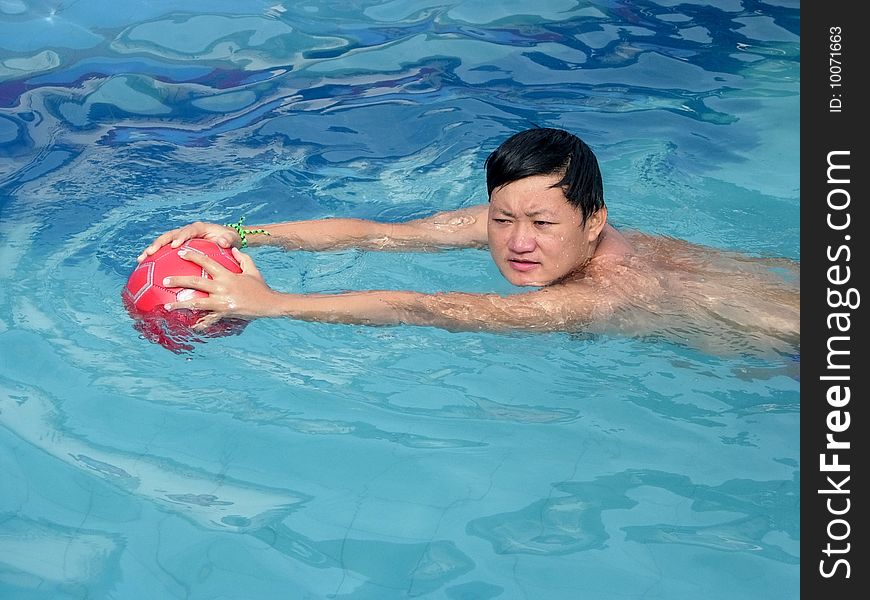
x: 596, y: 223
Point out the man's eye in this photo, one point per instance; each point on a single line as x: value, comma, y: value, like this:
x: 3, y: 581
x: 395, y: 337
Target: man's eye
x: 543, y: 223
x: 502, y: 220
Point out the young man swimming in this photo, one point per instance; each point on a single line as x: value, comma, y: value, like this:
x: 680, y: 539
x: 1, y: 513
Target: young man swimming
x: 546, y: 228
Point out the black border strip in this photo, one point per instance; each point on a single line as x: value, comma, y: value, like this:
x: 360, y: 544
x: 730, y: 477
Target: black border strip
x: 834, y: 228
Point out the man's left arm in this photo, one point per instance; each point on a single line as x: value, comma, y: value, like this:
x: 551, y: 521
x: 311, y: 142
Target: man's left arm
x: 541, y: 310
x: 246, y: 295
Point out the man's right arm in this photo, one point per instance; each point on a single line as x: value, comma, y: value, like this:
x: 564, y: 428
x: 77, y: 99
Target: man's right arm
x: 463, y: 228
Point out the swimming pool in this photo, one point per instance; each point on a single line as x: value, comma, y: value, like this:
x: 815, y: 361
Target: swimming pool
x: 304, y: 460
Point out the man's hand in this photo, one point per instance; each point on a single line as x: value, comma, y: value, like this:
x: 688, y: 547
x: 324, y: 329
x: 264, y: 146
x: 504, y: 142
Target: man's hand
x: 225, y: 237
x: 230, y: 295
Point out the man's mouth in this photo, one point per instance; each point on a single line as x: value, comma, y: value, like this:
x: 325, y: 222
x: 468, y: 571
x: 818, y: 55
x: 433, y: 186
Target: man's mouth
x: 523, y: 265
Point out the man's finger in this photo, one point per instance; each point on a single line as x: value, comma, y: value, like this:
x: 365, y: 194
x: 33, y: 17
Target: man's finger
x: 170, y: 237
x: 245, y: 262
x: 188, y: 304
x: 211, y: 266
x: 206, y: 321
x: 148, y: 251
x: 199, y: 304
x: 202, y: 284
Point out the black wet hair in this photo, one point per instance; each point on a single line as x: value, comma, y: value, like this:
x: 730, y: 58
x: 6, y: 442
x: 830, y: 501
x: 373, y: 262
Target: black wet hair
x: 545, y: 151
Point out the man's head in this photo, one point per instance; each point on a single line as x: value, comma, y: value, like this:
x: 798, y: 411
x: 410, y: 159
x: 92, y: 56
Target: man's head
x: 544, y: 151
x: 546, y: 206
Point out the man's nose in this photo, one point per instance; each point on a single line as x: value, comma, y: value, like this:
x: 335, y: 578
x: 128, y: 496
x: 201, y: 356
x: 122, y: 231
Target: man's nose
x: 522, y: 239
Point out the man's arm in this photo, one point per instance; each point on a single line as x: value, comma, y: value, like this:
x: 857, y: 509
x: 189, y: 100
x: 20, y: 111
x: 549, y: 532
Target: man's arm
x: 246, y: 295
x: 463, y: 228
x: 541, y: 310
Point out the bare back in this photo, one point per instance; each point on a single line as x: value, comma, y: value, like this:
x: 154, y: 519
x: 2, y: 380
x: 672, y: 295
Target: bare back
x: 710, y: 299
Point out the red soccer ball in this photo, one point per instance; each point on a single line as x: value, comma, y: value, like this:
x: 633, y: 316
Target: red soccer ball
x: 144, y: 295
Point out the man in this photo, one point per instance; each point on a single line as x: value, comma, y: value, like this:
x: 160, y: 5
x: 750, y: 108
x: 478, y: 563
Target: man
x: 546, y: 228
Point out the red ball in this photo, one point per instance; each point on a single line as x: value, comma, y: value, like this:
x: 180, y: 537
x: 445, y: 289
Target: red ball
x: 144, y: 295
x: 145, y: 290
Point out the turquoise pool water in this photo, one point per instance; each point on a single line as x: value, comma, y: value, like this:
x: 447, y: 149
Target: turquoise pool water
x: 302, y: 460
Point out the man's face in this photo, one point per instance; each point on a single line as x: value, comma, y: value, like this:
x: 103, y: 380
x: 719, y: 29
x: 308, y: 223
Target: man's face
x: 535, y: 235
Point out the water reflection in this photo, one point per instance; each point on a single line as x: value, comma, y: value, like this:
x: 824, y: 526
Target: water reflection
x: 574, y: 522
